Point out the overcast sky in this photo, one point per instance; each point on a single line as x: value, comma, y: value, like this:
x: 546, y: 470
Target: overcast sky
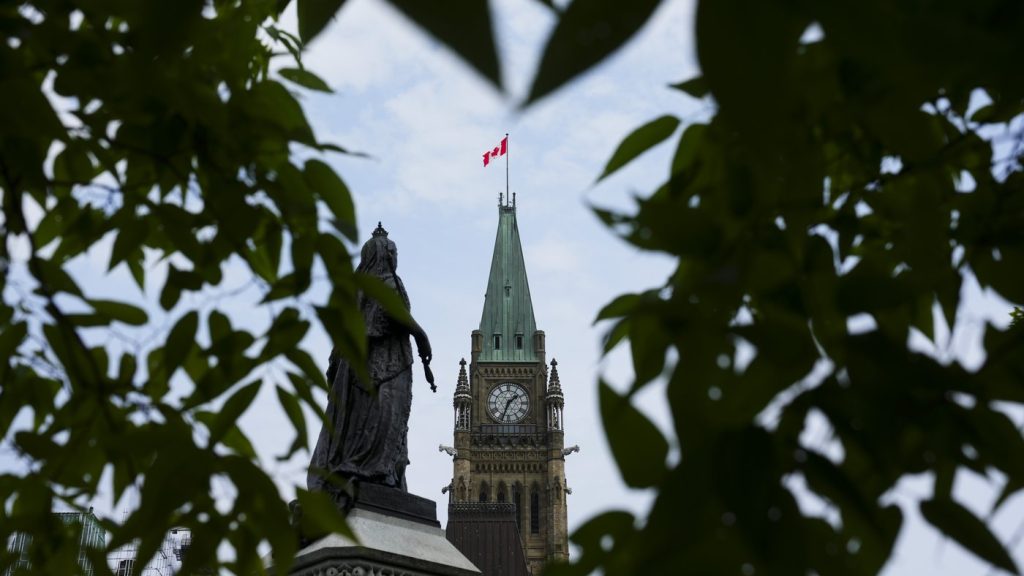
x: 426, y: 119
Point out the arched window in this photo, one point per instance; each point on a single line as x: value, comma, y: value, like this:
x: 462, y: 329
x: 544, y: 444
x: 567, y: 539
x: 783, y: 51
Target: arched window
x: 501, y: 492
x: 534, y: 510
x: 485, y: 492
x: 462, y: 490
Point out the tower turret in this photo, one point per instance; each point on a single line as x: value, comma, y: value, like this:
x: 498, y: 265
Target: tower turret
x: 462, y: 401
x: 554, y: 398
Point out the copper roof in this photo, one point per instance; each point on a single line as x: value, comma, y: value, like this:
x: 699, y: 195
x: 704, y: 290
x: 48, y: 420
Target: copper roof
x: 508, y: 309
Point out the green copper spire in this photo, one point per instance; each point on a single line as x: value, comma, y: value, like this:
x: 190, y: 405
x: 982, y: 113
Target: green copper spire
x: 507, y: 324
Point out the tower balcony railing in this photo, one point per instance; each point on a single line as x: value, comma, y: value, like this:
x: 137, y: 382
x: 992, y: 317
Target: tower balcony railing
x: 509, y: 436
x: 509, y: 429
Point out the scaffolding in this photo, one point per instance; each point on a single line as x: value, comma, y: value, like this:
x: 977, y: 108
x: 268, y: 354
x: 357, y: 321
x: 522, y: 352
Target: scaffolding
x: 84, y: 525
x: 166, y: 561
x: 123, y: 561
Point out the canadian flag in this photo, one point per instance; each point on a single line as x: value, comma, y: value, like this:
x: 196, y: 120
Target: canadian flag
x: 499, y: 150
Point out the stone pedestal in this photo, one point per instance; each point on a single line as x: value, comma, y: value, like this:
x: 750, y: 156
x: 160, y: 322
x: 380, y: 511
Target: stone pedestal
x: 399, y: 535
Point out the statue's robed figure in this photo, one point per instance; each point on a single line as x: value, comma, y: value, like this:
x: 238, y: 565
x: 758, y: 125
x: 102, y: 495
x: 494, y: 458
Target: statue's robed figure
x: 363, y: 438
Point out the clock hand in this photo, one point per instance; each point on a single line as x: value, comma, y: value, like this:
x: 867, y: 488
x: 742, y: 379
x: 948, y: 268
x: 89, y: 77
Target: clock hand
x: 507, y: 404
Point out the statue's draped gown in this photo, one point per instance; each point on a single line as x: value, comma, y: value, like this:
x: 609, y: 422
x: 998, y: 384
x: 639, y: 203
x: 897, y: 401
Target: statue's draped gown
x: 364, y: 435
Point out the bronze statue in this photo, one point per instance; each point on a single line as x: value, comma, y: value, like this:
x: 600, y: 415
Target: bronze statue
x: 363, y: 438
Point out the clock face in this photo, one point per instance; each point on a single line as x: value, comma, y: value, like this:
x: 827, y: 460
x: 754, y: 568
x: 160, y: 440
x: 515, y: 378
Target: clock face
x: 508, y: 403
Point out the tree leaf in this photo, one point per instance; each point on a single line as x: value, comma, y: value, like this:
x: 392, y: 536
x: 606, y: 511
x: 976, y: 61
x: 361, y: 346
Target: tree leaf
x: 291, y: 407
x: 219, y: 325
x: 347, y: 329
x: 129, y: 239
x: 305, y: 78
x: 270, y: 101
x: 637, y: 444
x: 301, y: 359
x: 323, y: 180
x: 587, y: 33
x: 228, y: 414
x: 639, y: 141
x: 621, y: 306
x: 464, y: 26
x: 614, y: 336
x: 137, y: 271
x: 968, y: 530
x: 73, y: 165
x: 648, y: 344
x: 303, y: 386
x: 180, y: 342
x: 695, y: 87
x: 550, y: 5
x: 121, y: 311
x: 320, y: 515
x: 236, y: 440
x: 330, y: 147
x: 1009, y: 489
x: 52, y: 225
x: 314, y: 15
x: 999, y: 442
x: 287, y: 330
x: 386, y: 295
x: 615, y: 526
x: 53, y: 276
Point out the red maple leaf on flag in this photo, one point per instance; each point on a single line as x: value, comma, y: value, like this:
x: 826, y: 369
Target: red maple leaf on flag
x: 499, y: 150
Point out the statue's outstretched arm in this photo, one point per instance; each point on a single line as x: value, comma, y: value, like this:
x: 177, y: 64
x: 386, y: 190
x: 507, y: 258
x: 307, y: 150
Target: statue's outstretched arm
x: 425, y: 352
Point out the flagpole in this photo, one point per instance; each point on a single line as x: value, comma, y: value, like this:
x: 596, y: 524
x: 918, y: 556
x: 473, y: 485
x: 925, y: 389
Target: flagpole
x: 507, y: 147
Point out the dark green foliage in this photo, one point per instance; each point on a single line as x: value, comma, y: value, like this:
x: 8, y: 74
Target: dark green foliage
x: 831, y: 183
x: 695, y: 87
x: 641, y: 140
x: 464, y: 25
x: 636, y: 443
x: 304, y: 78
x: 588, y: 31
x: 959, y: 523
x: 173, y: 143
x: 314, y: 16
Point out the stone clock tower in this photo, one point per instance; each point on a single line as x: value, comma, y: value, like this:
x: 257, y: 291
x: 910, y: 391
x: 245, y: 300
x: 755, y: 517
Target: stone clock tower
x: 509, y: 439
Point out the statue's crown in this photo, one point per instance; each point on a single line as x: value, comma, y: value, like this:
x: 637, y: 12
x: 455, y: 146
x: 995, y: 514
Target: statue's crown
x: 380, y: 231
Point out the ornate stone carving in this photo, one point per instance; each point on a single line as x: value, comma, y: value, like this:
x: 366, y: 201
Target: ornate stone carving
x: 355, y: 569
x: 515, y: 467
x: 507, y: 372
x: 500, y: 441
x: 510, y: 455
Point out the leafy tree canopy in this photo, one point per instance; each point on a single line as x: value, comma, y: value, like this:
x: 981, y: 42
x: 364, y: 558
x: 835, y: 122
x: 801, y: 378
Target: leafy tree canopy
x: 863, y: 159
x: 156, y: 126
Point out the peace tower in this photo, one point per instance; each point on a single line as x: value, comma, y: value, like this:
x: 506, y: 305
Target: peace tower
x: 509, y: 440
